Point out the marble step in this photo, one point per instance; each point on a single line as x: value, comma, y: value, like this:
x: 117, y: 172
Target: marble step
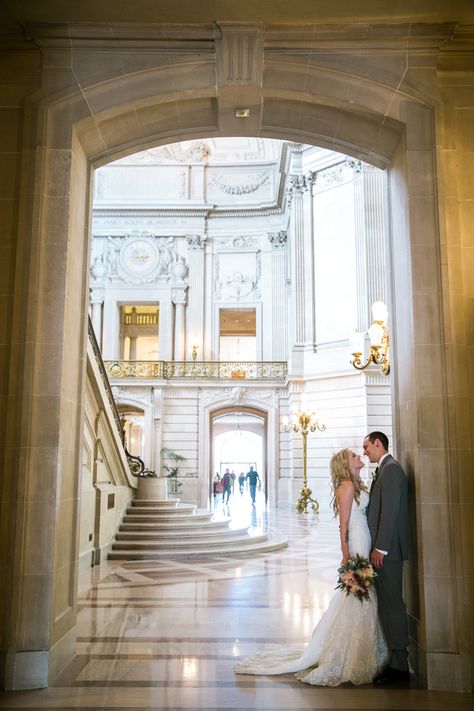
x: 188, y: 527
x: 190, y: 520
x: 178, y: 543
x: 145, y: 536
x: 158, y: 511
x: 158, y: 503
x: 266, y: 544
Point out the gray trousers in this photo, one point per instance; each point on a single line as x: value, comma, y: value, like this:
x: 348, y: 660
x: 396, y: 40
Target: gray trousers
x: 392, y: 612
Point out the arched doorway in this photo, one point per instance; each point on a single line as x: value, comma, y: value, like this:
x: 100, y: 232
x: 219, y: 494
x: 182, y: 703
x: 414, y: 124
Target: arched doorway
x: 238, y: 440
x: 78, y: 129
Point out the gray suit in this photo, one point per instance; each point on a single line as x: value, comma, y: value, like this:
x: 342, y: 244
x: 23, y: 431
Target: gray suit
x: 388, y: 523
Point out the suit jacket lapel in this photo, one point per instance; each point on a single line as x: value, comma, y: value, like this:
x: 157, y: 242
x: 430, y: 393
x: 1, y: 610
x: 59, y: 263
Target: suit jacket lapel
x: 388, y: 458
x: 380, y: 467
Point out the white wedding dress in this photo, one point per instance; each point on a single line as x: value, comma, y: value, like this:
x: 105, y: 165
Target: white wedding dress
x: 347, y: 644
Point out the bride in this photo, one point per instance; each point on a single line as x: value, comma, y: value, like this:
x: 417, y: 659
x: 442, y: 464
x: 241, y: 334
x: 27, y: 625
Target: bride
x: 348, y: 643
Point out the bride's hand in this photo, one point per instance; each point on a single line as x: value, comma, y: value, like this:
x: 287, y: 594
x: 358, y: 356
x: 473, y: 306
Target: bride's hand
x: 344, y: 560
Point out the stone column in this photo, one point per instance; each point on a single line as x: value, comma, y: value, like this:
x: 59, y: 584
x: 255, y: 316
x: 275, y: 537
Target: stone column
x: 156, y: 399
x: 279, y: 313
x: 302, y: 263
x: 370, y: 240
x: 133, y: 348
x: 196, y: 280
x: 179, y: 301
x: 97, y: 301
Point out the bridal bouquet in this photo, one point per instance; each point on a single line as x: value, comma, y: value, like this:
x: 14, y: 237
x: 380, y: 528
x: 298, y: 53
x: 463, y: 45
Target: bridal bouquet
x: 356, y: 577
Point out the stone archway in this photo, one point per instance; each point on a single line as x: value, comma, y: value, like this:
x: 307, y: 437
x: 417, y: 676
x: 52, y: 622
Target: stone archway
x: 257, y: 414
x: 365, y: 111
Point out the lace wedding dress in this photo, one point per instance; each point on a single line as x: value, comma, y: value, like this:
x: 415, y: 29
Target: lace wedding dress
x: 347, y: 644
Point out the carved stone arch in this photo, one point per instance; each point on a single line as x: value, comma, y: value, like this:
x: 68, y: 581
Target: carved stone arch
x: 254, y: 406
x: 75, y: 131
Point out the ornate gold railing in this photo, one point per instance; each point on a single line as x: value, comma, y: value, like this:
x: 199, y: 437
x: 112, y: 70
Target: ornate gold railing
x: 211, y: 370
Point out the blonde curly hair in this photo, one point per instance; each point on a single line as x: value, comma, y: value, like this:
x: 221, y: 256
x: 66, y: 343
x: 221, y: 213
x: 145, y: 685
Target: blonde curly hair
x: 340, y: 471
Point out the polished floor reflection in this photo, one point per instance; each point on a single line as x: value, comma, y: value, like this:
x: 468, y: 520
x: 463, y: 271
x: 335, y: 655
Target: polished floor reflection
x: 165, y: 635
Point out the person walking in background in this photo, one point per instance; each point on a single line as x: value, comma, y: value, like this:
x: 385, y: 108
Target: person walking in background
x: 216, y: 484
x: 241, y: 482
x: 387, y: 517
x: 226, y: 486
x: 253, y: 478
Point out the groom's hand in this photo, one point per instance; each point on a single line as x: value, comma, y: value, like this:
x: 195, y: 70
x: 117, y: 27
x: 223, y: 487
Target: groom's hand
x: 376, y: 558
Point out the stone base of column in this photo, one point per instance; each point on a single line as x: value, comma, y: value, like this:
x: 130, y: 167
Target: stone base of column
x: 151, y: 488
x: 26, y: 670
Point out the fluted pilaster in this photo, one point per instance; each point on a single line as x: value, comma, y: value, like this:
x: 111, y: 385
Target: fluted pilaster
x: 302, y: 259
x: 279, y: 312
x: 196, y: 281
x: 371, y: 244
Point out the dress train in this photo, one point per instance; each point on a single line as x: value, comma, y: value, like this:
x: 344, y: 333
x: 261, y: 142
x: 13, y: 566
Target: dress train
x: 346, y: 645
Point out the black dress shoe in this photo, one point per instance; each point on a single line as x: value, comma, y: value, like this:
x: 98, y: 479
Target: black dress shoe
x: 392, y: 676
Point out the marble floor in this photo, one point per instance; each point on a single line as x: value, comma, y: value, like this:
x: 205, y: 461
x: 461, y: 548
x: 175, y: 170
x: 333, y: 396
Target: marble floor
x: 166, y: 635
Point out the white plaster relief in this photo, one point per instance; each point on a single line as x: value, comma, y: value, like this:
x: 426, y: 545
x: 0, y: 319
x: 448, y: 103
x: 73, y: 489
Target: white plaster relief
x: 336, y: 174
x: 227, y: 183
x: 137, y: 258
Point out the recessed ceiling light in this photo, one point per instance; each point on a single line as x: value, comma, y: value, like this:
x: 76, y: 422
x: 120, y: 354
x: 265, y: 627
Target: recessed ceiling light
x: 242, y: 113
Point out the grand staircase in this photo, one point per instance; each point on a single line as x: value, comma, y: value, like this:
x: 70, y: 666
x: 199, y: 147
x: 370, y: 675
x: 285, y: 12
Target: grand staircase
x: 167, y: 528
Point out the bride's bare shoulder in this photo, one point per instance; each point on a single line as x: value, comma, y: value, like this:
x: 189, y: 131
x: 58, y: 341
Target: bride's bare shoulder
x: 344, y: 485
x: 345, y: 489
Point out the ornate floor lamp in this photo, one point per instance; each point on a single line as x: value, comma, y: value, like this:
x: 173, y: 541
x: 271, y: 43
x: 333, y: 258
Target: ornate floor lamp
x: 301, y: 422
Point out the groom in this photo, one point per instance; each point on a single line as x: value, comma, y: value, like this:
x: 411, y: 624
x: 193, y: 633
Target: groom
x: 388, y: 524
